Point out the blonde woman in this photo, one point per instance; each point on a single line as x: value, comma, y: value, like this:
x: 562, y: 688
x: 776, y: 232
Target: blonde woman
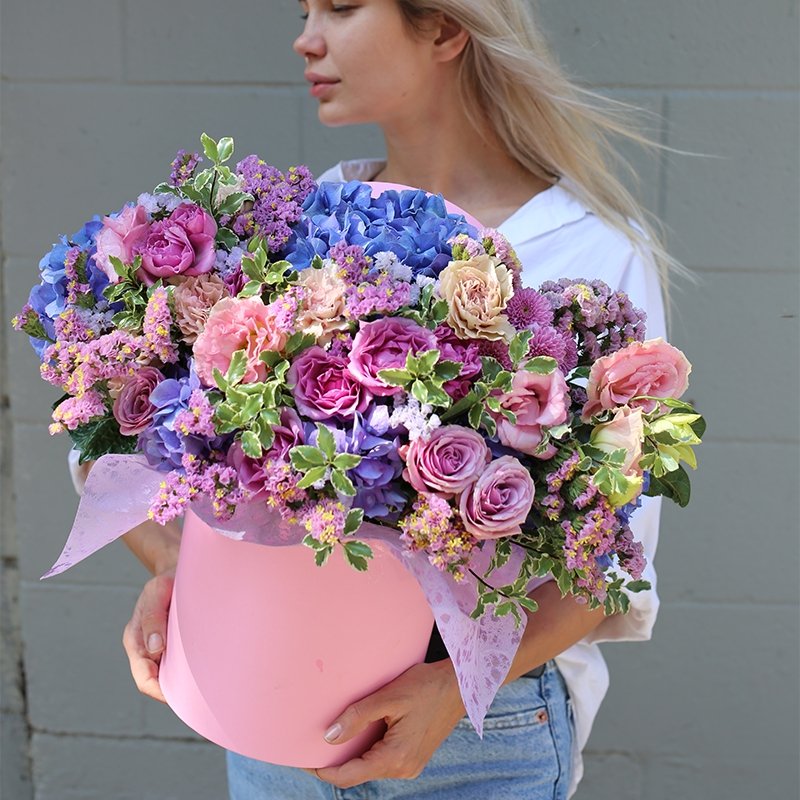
x: 471, y: 106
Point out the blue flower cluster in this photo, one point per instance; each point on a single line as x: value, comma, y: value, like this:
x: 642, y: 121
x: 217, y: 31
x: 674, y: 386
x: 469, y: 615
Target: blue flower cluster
x: 416, y: 227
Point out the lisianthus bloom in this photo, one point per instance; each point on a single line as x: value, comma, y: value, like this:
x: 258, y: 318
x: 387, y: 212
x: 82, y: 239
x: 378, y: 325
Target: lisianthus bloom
x: 181, y: 244
x: 323, y: 387
x: 384, y: 344
x: 499, y: 501
x: 625, y: 432
x: 132, y: 407
x: 446, y: 462
x: 237, y: 324
x: 539, y: 401
x: 654, y: 368
x: 477, y: 293
x: 122, y: 236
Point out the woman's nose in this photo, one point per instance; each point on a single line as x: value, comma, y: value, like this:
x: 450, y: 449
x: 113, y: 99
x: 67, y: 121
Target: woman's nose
x: 310, y: 43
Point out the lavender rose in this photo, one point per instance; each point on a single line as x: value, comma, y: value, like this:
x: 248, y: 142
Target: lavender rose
x: 447, y: 462
x: 323, y: 387
x: 384, y: 344
x: 499, y: 501
x: 132, y: 407
x: 182, y: 244
x: 287, y: 435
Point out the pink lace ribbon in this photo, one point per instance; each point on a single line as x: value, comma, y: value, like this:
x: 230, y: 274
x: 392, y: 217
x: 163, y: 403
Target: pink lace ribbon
x: 118, y: 493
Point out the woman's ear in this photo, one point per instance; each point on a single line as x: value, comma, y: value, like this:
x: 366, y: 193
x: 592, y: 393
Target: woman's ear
x: 451, y: 39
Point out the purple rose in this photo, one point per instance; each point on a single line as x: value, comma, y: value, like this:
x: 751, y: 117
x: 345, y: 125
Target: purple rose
x: 499, y: 501
x: 252, y: 472
x: 384, y: 344
x: 448, y: 462
x: 323, y: 388
x: 287, y: 435
x: 466, y: 353
x: 132, y: 408
x: 182, y: 244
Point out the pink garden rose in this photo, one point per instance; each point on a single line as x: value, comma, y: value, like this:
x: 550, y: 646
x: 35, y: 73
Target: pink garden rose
x: 132, y: 407
x: 538, y: 401
x: 653, y: 368
x: 237, y: 324
x: 121, y: 236
x: 447, y: 462
x: 182, y: 244
x: 499, y: 501
x: 384, y: 344
x: 323, y: 387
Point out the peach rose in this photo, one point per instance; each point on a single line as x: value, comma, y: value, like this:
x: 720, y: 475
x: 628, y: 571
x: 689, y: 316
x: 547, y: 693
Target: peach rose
x: 477, y: 292
x: 653, y: 368
x: 323, y: 303
x: 194, y: 298
x: 237, y: 324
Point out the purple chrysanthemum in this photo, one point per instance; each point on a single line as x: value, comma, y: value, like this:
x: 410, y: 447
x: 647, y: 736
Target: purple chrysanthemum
x: 528, y: 308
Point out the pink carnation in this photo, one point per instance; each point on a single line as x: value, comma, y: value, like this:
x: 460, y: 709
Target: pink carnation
x: 237, y: 324
x: 194, y: 298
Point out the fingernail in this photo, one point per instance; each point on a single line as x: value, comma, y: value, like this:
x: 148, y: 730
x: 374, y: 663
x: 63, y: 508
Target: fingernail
x: 154, y: 642
x: 333, y: 733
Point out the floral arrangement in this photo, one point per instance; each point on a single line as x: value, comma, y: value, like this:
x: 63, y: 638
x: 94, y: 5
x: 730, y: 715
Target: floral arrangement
x: 337, y: 357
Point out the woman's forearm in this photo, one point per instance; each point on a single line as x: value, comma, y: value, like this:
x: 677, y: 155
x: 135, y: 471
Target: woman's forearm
x: 156, y: 546
x: 559, y: 623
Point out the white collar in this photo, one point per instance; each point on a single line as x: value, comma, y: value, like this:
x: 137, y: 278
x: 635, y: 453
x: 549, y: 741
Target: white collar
x: 543, y: 213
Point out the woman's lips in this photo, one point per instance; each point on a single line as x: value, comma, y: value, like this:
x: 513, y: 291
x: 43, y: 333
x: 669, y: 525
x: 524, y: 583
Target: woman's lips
x: 320, y: 84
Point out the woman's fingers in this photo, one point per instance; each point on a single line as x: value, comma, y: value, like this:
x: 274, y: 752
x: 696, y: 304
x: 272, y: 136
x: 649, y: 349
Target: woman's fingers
x: 146, y: 634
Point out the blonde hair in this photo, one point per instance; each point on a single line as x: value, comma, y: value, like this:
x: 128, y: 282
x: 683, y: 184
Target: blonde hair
x: 549, y: 124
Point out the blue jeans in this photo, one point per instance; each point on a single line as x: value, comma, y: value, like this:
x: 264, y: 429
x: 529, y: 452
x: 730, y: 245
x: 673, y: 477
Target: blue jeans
x: 525, y: 754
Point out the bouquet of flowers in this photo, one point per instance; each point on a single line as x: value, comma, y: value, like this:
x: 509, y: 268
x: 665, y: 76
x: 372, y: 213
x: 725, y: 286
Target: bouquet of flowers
x: 336, y: 357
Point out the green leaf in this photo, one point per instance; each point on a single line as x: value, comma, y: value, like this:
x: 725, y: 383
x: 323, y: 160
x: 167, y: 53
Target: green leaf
x: 119, y: 267
x: 251, y: 289
x: 491, y: 368
x: 209, y: 148
x: 225, y: 149
x: 309, y: 455
x: 202, y: 180
x: 353, y: 522
x: 675, y: 485
x: 437, y: 396
x: 427, y: 361
x: 504, y: 609
x: 323, y: 554
x: 299, y: 341
x: 541, y: 365
x: 250, y: 268
x: 226, y: 237
x: 346, y: 461
x: 342, y: 483
x: 357, y: 554
x: 219, y: 379
x: 519, y: 346
x: 699, y: 427
x: 475, y: 414
x: 440, y: 311
x: 493, y: 404
x: 233, y: 202
x: 638, y: 586
x: 325, y: 441
x: 99, y: 437
x: 488, y: 423
x: 395, y: 377
x: 237, y: 368
x: 529, y: 604
x: 447, y: 370
x: 251, y: 444
x: 311, y: 477
x: 420, y: 391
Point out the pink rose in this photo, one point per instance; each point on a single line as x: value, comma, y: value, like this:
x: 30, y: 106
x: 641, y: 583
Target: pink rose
x: 466, y: 353
x: 121, y: 236
x: 323, y: 387
x: 384, y: 344
x: 237, y: 324
x: 625, y: 432
x: 653, y: 368
x: 132, y: 407
x: 538, y: 401
x: 182, y: 244
x: 447, y: 462
x: 499, y: 501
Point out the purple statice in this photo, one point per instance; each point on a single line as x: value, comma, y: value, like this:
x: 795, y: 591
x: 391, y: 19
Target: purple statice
x: 630, y: 554
x: 75, y: 411
x: 324, y: 519
x: 603, y: 320
x: 157, y: 327
x: 527, y: 309
x: 183, y: 167
x: 198, y: 418
x: 380, y: 294
x: 433, y: 526
x: 353, y: 262
x: 341, y: 344
x: 278, y: 200
x: 229, y: 267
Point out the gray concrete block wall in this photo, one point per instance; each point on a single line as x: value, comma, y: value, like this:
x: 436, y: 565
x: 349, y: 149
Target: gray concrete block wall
x: 97, y: 95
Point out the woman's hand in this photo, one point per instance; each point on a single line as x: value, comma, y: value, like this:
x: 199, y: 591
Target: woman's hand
x: 146, y: 633
x: 420, y: 708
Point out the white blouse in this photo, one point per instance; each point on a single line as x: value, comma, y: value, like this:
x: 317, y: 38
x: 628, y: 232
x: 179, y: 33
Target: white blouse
x: 555, y: 236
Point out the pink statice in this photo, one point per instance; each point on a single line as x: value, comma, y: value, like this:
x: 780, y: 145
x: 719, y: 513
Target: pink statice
x: 79, y: 292
x: 433, y: 526
x: 382, y: 294
x: 465, y: 247
x: 198, y: 419
x: 183, y: 167
x: 324, y: 519
x: 157, y: 325
x: 75, y: 411
x: 352, y: 261
x: 341, y: 344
